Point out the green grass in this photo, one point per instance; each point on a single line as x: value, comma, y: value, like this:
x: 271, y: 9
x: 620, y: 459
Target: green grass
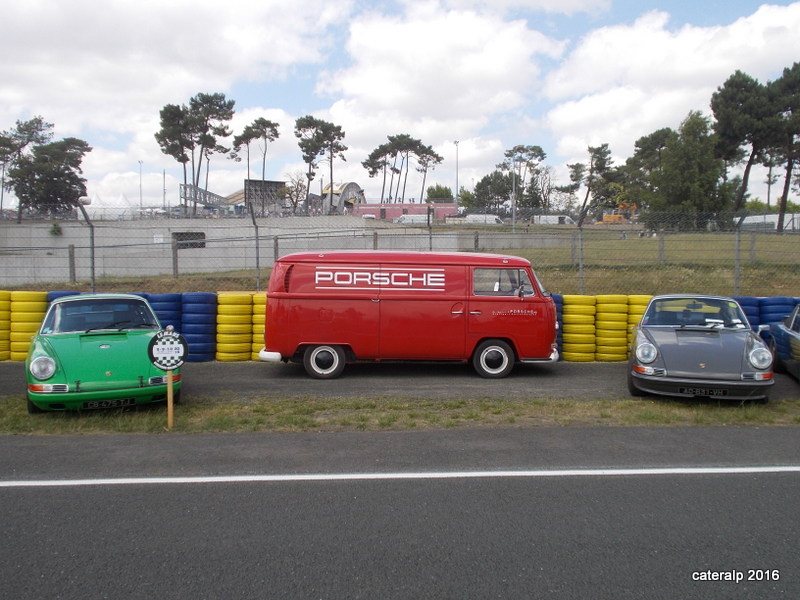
x: 231, y: 414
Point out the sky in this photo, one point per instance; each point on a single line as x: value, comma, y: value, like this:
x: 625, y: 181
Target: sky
x: 487, y: 74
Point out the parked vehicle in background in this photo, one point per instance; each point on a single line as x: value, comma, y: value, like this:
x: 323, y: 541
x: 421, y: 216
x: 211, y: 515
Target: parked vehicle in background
x: 483, y: 220
x: 326, y: 309
x: 412, y: 220
x: 91, y: 351
x: 552, y: 220
x: 697, y: 346
x: 784, y: 342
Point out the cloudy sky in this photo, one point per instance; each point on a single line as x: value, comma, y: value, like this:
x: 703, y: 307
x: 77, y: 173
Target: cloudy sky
x: 561, y: 74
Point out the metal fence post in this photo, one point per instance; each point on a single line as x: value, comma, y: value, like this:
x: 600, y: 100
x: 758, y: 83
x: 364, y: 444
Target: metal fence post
x: 737, y: 269
x: 581, y: 273
x: 476, y: 241
x: 72, y: 275
x: 175, y: 258
x: 374, y: 240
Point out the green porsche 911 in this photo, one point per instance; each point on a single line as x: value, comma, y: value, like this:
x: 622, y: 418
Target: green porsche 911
x: 91, y: 351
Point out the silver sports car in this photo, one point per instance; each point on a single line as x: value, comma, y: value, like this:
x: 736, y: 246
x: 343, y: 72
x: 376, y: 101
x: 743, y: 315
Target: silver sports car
x: 697, y: 346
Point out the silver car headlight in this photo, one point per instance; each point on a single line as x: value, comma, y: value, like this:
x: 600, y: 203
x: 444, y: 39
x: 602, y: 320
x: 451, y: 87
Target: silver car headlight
x: 760, y: 358
x: 42, y: 367
x: 646, y: 352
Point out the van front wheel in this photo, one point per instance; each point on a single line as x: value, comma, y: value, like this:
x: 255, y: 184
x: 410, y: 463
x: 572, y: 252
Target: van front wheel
x: 493, y: 359
x: 324, y: 362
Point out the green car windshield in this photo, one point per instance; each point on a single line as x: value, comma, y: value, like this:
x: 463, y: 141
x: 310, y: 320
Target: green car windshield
x: 99, y: 314
x: 695, y: 312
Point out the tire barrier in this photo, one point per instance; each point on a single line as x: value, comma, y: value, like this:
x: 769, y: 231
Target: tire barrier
x: 199, y: 325
x: 168, y: 308
x: 578, y: 328
x: 611, y: 328
x: 234, y: 326
x: 5, y: 325
x: 750, y: 308
x: 259, y: 321
x: 27, y: 312
x: 230, y: 326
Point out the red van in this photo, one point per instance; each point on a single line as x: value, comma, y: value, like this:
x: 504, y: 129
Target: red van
x: 329, y: 308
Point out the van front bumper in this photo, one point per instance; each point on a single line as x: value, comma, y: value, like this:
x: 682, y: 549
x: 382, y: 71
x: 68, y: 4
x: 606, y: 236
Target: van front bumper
x: 265, y: 356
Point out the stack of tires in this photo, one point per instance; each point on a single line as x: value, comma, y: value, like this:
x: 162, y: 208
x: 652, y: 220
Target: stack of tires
x: 750, y: 309
x: 5, y: 325
x: 578, y: 328
x: 558, y: 299
x: 168, y: 308
x: 775, y: 309
x: 234, y: 326
x: 259, y: 323
x: 611, y: 327
x: 637, y: 304
x: 199, y: 325
x: 27, y: 313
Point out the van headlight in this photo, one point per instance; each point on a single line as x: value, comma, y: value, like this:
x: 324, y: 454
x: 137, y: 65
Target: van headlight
x: 42, y: 367
x: 760, y: 358
x: 646, y: 352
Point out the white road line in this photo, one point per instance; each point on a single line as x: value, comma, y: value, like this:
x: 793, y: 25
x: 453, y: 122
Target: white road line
x: 300, y: 477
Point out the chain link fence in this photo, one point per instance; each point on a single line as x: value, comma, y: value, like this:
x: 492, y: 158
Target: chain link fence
x: 704, y: 255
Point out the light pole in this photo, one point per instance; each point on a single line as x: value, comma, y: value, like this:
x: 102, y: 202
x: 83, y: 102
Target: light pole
x: 141, y: 208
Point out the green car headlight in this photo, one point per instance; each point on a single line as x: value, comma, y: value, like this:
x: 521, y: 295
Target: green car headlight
x: 760, y: 358
x: 43, y: 367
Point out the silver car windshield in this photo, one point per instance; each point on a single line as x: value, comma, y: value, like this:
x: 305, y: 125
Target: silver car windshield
x: 695, y: 312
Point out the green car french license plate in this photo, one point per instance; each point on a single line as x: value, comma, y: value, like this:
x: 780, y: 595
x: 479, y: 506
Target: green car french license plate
x: 117, y: 403
x: 703, y: 391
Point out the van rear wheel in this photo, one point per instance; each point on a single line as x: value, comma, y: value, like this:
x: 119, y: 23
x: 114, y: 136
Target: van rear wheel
x: 324, y: 362
x: 493, y: 359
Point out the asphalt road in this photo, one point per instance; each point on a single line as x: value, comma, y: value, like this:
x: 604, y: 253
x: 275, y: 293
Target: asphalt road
x: 426, y: 380
x: 535, y: 513
x: 601, y: 513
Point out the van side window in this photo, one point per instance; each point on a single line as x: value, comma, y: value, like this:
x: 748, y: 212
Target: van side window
x: 501, y: 282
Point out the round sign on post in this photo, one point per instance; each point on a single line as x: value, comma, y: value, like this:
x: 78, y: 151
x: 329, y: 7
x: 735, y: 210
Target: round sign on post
x: 168, y: 351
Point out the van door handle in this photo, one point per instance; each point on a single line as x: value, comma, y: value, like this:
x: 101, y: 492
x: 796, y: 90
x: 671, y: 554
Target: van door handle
x: 375, y: 299
x: 456, y: 312
x: 475, y: 312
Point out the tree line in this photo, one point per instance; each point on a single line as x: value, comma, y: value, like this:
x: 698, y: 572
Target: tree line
x: 684, y: 172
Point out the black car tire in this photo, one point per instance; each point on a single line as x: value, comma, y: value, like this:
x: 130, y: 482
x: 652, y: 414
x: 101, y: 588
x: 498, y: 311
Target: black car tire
x: 32, y: 408
x: 493, y: 359
x: 634, y: 391
x: 324, y: 362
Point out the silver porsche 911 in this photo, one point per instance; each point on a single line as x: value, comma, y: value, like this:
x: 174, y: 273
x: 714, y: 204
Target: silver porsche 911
x: 697, y: 346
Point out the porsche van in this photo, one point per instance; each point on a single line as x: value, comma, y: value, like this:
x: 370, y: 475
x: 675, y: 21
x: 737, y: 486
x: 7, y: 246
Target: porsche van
x: 326, y: 309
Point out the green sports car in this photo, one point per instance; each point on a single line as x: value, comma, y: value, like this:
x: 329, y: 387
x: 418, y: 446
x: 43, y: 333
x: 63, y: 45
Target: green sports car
x: 91, y: 351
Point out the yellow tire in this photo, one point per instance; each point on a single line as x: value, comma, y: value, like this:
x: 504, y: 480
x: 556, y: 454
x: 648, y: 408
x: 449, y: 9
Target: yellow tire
x: 575, y: 319
x: 235, y: 309
x: 578, y: 356
x: 25, y: 296
x: 570, y: 299
x: 611, y: 299
x: 232, y: 338
x: 234, y: 328
x: 26, y: 317
x: 29, y: 306
x: 20, y: 336
x: 609, y: 316
x: 17, y: 356
x: 578, y: 328
x: 244, y: 319
x: 614, y: 309
x: 639, y: 300
x: 229, y: 348
x: 578, y: 309
x: 611, y: 357
x: 578, y: 348
x: 578, y: 338
x: 232, y: 356
x: 607, y: 325
x: 228, y: 298
x: 29, y: 328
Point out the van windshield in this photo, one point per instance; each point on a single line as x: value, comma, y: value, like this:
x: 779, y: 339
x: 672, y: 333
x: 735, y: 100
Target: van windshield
x: 501, y: 282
